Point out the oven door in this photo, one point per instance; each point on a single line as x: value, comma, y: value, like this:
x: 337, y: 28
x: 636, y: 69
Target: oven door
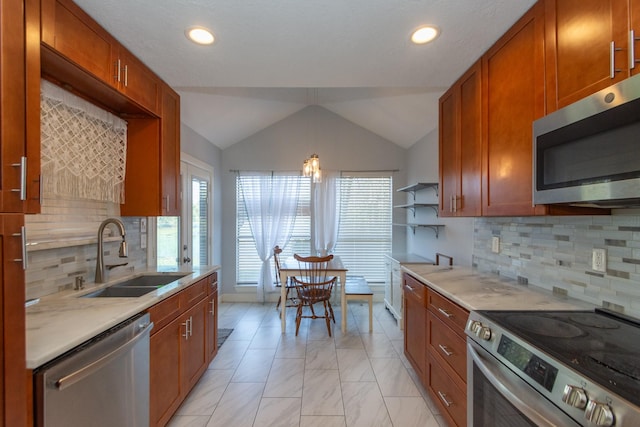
x: 496, y: 397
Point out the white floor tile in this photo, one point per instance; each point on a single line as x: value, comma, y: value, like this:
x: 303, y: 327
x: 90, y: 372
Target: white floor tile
x: 262, y: 377
x: 321, y: 393
x: 278, y: 412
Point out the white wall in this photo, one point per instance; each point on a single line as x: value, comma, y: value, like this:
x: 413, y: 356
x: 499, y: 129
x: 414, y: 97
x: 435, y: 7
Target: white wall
x: 456, y: 238
x: 283, y: 146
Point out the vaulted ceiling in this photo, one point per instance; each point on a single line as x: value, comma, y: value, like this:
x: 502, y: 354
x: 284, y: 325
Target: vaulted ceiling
x: 272, y: 58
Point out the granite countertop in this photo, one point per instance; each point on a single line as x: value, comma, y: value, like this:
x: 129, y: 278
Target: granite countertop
x: 482, y: 291
x: 62, y: 321
x: 405, y: 258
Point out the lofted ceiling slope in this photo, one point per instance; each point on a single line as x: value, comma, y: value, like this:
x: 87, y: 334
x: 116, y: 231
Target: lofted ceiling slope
x: 272, y: 58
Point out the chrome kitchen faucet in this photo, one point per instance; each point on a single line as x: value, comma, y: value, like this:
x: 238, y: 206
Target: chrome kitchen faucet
x: 122, y: 252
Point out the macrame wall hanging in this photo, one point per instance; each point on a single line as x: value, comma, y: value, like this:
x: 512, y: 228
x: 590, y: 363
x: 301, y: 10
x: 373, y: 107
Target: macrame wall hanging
x: 83, y: 148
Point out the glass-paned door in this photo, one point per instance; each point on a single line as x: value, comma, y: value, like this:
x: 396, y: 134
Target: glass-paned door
x: 196, y: 233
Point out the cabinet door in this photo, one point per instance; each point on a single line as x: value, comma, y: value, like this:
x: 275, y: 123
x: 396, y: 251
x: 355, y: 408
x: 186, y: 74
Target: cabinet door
x: 513, y: 76
x: 579, y: 36
x: 469, y: 201
x: 212, y: 326
x: 19, y: 151
x: 13, y: 370
x: 138, y: 82
x: 634, y: 23
x: 415, y: 324
x: 164, y: 364
x: 460, y: 146
x: 194, y: 348
x: 449, y: 152
x: 72, y: 33
x: 170, y: 152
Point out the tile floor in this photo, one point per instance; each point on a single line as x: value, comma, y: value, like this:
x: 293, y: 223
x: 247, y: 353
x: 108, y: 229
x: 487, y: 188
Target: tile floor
x: 262, y: 378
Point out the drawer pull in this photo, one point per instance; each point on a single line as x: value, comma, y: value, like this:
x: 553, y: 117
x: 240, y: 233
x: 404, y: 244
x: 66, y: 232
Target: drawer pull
x: 444, y: 399
x: 186, y: 329
x: 445, y: 312
x: 445, y: 350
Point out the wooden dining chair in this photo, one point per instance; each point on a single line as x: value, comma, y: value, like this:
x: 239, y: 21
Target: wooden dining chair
x: 291, y: 301
x: 313, y: 286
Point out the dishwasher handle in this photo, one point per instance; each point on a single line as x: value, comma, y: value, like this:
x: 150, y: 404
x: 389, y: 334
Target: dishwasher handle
x: 85, y: 371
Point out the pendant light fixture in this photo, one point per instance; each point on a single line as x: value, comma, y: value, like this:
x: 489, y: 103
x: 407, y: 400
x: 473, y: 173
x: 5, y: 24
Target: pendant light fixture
x: 311, y: 166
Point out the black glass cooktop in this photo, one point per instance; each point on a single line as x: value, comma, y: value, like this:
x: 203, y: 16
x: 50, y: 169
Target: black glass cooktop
x: 602, y: 346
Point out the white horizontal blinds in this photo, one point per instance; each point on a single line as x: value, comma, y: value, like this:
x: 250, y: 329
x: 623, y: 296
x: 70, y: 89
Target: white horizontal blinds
x: 248, y: 262
x: 364, y: 234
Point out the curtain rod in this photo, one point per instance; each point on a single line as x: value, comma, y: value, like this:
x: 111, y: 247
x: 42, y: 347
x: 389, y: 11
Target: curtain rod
x: 291, y: 170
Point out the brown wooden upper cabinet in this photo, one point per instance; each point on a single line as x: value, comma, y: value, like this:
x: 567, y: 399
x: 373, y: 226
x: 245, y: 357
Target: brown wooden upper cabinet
x: 70, y: 32
x: 514, y: 79
x: 460, y: 146
x: 588, y: 46
x: 152, y: 186
x: 19, y: 121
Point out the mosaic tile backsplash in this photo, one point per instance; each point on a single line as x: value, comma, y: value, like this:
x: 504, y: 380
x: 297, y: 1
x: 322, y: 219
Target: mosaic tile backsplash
x: 53, y: 270
x: 555, y: 253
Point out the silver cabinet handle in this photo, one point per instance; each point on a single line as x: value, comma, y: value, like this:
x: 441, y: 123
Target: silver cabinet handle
x: 612, y: 61
x: 444, y: 399
x: 23, y: 178
x: 632, y: 50
x: 190, y: 326
x: 87, y: 370
x: 126, y: 76
x: 445, y: 312
x: 167, y: 205
x: 213, y: 308
x: 451, y: 204
x: 186, y: 329
x: 23, y: 235
x: 445, y: 350
x: 119, y: 71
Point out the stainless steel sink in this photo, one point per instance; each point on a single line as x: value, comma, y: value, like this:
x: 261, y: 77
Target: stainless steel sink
x: 154, y: 281
x: 136, y: 287
x: 119, y: 292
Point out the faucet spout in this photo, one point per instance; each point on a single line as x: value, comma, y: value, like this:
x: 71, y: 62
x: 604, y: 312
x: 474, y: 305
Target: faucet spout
x: 122, y: 253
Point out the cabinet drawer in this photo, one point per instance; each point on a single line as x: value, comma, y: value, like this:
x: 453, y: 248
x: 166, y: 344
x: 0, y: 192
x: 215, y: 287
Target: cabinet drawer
x: 449, y: 312
x: 448, y: 345
x: 415, y: 290
x: 448, y: 396
x: 165, y: 311
x: 196, y: 292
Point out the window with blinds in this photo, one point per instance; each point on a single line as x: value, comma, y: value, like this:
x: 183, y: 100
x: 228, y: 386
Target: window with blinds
x: 364, y: 233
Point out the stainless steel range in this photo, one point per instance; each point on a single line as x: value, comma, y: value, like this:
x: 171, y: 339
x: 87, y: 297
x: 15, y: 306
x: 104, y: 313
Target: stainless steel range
x: 553, y: 368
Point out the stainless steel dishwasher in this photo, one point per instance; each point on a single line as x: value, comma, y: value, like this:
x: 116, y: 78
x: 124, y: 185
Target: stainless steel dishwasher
x: 103, y: 382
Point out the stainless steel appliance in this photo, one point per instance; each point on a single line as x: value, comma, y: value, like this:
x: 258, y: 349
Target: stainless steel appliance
x: 588, y: 153
x: 552, y: 368
x: 102, y: 383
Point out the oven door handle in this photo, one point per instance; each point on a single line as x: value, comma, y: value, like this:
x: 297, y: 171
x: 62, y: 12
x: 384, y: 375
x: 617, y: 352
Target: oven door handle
x: 525, y: 398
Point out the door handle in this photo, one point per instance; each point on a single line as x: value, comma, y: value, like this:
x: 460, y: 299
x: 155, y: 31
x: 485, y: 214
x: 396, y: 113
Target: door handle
x: 186, y: 260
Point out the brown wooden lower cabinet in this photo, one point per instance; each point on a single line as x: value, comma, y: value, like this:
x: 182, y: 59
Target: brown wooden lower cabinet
x: 180, y: 347
x: 212, y: 319
x: 435, y: 345
x: 415, y: 323
x: 447, y: 395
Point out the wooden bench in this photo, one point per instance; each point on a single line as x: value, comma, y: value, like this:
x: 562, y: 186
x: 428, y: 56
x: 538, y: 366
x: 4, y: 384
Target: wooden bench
x: 356, y: 288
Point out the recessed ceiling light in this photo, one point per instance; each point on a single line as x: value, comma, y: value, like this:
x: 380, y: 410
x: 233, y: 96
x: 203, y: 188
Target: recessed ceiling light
x: 424, y: 34
x: 200, y: 35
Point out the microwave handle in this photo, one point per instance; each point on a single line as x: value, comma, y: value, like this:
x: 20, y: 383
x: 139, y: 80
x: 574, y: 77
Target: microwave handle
x: 517, y: 392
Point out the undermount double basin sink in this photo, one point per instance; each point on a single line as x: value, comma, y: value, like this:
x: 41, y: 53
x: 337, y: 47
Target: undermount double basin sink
x: 136, y: 287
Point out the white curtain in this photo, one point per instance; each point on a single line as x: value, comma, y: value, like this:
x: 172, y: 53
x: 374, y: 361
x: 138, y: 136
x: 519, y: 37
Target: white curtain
x: 271, y: 202
x: 326, y: 212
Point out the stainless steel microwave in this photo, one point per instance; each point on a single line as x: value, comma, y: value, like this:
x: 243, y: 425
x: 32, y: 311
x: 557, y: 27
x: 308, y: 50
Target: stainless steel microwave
x: 588, y: 153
